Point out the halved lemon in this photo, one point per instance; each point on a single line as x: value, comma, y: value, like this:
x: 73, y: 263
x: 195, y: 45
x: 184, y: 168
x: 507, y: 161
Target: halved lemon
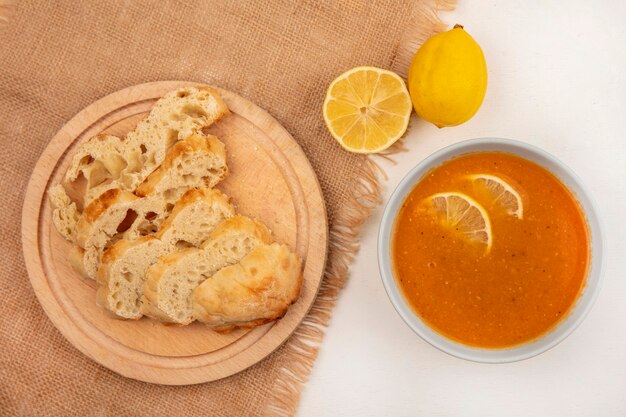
x: 367, y: 109
x: 463, y: 213
x: 502, y: 192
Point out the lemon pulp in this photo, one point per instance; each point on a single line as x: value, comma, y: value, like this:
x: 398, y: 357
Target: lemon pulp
x: 463, y: 213
x: 502, y: 192
x: 367, y: 109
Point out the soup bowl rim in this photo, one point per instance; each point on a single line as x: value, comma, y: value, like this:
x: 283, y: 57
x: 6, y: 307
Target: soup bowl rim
x: 577, y: 313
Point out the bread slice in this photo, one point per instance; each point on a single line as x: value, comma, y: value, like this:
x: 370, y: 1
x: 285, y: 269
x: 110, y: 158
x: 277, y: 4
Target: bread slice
x: 64, y: 214
x: 255, y: 291
x: 118, y: 214
x: 100, y: 158
x: 101, y: 219
x: 109, y: 162
x: 123, y: 269
x: 115, y: 215
x: 100, y: 161
x: 121, y: 275
x: 194, y: 217
x: 171, y: 281
x: 197, y: 161
x: 176, y: 116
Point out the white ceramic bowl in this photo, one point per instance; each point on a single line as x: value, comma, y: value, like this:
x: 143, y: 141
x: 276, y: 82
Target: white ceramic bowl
x: 565, y: 326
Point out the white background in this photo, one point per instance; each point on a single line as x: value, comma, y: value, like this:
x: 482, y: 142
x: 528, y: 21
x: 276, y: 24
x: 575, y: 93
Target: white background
x: 557, y: 79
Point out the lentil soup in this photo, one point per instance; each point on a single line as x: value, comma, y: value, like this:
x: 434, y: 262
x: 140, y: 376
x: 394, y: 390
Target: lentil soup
x: 512, y: 291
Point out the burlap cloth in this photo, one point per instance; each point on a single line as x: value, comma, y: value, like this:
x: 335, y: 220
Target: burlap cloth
x: 58, y: 57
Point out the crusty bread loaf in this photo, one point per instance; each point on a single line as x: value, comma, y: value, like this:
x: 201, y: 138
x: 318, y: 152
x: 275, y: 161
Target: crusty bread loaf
x: 171, y: 281
x: 109, y: 162
x: 197, y: 161
x: 64, y: 213
x: 252, y: 292
x: 122, y: 272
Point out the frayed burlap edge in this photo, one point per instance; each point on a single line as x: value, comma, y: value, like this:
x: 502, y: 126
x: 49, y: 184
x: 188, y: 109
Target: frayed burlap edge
x: 303, y: 346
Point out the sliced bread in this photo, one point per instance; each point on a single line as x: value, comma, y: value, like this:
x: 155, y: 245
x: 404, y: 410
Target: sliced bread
x: 188, y: 156
x: 115, y: 215
x: 175, y: 116
x: 252, y: 292
x: 118, y: 214
x: 122, y: 272
x: 121, y: 275
x: 101, y: 158
x: 100, y: 161
x: 194, y: 217
x: 64, y: 212
x: 102, y: 218
x: 110, y: 162
x: 171, y: 281
x: 197, y: 161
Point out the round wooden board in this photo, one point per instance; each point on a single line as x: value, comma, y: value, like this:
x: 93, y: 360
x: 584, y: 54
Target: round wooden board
x: 270, y: 179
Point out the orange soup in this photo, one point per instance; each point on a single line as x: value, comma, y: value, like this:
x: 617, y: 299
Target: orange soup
x: 490, y: 249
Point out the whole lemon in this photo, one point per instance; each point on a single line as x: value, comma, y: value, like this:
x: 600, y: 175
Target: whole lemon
x: 448, y: 78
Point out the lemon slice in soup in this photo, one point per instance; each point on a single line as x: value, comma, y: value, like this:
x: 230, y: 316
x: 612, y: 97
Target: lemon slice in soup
x: 502, y: 192
x: 464, y: 214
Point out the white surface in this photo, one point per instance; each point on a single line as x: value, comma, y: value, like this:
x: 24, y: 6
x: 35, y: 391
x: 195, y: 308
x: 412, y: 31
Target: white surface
x: 557, y: 79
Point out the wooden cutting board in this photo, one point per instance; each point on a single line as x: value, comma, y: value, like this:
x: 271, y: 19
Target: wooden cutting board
x: 270, y: 179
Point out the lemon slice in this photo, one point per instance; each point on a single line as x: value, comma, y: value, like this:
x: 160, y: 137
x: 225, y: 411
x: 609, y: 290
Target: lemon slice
x: 502, y: 192
x: 367, y: 109
x: 464, y: 214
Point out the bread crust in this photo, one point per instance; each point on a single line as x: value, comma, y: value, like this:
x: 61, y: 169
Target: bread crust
x: 211, y: 257
x: 257, y: 290
x: 188, y: 199
x: 95, y: 211
x: 194, y: 144
x: 241, y: 224
x: 133, y: 257
x: 64, y: 212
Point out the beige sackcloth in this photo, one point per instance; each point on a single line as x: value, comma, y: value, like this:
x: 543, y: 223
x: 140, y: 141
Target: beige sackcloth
x: 56, y: 57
